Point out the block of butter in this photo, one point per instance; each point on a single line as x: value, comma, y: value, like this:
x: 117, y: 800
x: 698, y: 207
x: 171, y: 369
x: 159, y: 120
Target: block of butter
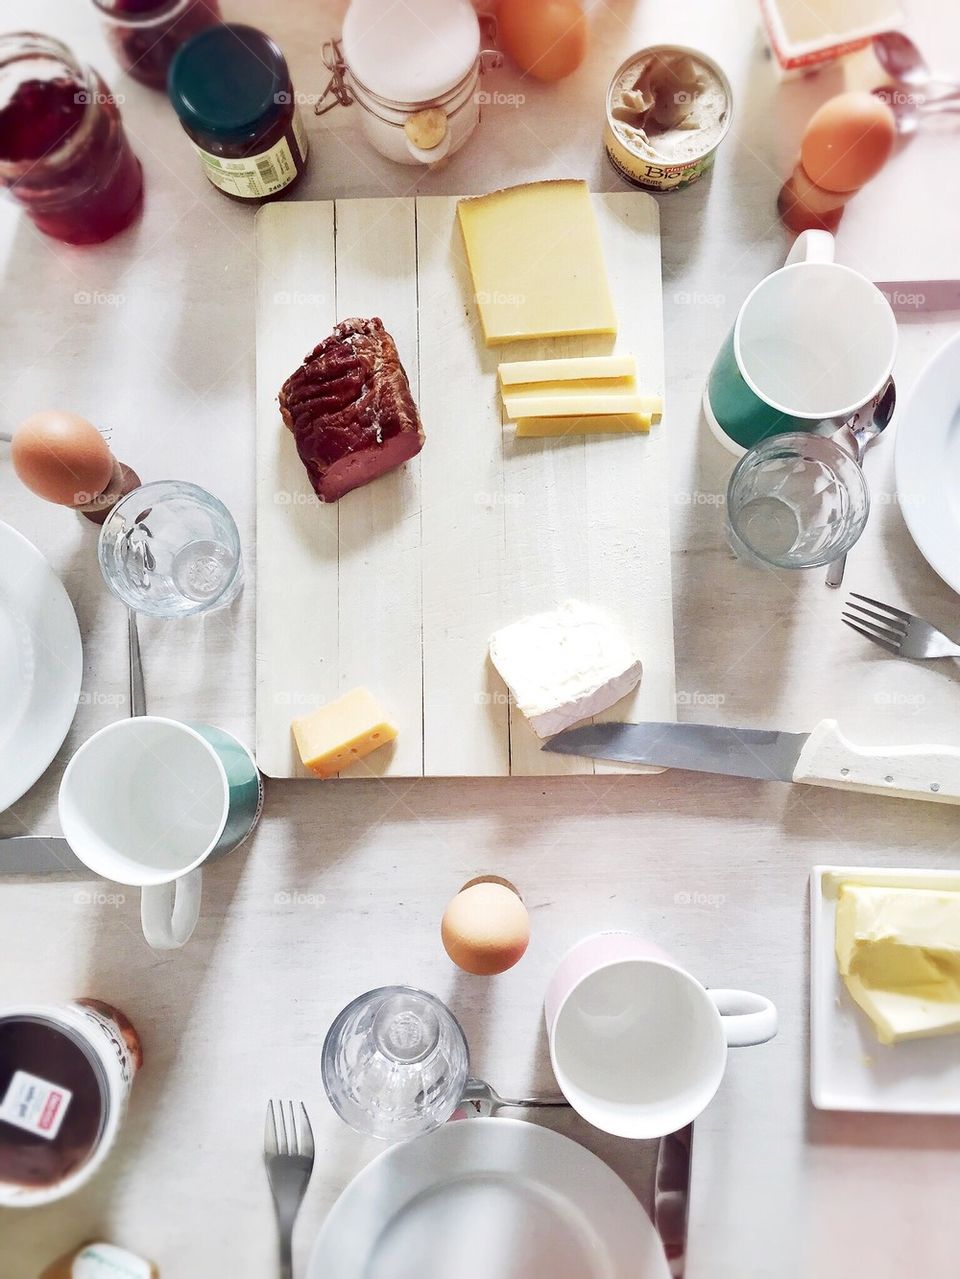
x: 898, y: 952
x: 335, y: 736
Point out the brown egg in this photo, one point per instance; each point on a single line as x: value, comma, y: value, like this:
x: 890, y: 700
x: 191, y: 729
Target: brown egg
x: 803, y: 206
x: 61, y: 457
x: 545, y: 38
x: 848, y: 141
x: 486, y: 928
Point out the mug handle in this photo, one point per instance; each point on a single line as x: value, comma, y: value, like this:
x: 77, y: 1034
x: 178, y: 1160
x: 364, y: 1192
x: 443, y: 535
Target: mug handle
x: 812, y: 246
x: 169, y: 912
x: 747, y: 1018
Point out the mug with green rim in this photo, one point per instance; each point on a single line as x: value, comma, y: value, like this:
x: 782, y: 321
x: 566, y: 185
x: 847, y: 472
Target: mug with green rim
x: 812, y: 344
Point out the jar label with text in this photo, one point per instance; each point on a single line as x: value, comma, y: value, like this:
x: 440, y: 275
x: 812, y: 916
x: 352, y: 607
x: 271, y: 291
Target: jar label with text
x: 254, y: 176
x: 35, y: 1105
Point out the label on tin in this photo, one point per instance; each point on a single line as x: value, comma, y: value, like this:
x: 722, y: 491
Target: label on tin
x: 35, y: 1105
x: 255, y: 176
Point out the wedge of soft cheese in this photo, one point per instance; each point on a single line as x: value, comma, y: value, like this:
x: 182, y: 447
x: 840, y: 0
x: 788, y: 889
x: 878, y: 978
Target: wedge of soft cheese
x: 898, y: 952
x: 536, y: 261
x: 335, y: 736
x: 564, y: 666
x: 607, y: 424
x: 516, y: 372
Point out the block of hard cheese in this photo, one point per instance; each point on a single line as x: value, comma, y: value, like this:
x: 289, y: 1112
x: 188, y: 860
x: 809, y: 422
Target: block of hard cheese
x: 536, y: 261
x: 335, y: 736
x: 586, y: 398
x: 564, y: 666
x: 574, y: 369
x: 608, y: 424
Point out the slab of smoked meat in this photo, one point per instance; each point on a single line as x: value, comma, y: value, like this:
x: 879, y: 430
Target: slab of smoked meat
x: 350, y: 409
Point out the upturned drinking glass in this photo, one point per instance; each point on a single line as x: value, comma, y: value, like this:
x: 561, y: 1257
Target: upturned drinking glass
x: 395, y: 1063
x: 796, y: 501
x: 171, y: 549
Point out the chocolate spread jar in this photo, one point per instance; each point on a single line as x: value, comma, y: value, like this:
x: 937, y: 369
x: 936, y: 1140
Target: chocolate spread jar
x: 231, y: 88
x: 65, y: 1076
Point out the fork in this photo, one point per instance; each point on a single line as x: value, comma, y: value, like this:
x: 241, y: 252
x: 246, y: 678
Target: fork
x: 898, y: 632
x: 288, y: 1155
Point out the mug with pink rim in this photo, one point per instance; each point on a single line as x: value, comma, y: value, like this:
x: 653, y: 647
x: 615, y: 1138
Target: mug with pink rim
x: 637, y: 1044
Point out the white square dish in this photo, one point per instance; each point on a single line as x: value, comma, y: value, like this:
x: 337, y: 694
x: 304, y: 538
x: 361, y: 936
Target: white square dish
x: 849, y: 1068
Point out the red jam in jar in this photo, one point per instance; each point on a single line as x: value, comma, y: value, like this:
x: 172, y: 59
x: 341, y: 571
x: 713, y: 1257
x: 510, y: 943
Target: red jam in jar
x: 232, y: 90
x: 64, y: 154
x: 145, y: 34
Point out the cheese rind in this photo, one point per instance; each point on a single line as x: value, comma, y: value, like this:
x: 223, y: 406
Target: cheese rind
x: 898, y: 952
x: 536, y: 261
x: 518, y: 372
x: 339, y: 734
x: 605, y: 424
x: 565, y: 665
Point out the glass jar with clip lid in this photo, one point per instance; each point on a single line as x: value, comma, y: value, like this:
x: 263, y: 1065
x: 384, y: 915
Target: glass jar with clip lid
x: 414, y: 71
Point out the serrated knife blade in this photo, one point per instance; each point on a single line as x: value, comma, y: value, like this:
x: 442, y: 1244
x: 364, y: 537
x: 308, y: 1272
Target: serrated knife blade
x: 702, y: 748
x: 823, y: 757
x: 40, y: 855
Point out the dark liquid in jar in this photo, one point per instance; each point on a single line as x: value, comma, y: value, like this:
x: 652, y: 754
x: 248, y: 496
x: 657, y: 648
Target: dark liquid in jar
x: 146, y: 52
x: 85, y: 196
x: 40, y: 1049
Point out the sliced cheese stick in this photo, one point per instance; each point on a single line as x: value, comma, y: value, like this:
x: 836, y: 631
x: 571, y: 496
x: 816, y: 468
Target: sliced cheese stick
x: 517, y: 372
x: 578, y: 404
x: 605, y: 424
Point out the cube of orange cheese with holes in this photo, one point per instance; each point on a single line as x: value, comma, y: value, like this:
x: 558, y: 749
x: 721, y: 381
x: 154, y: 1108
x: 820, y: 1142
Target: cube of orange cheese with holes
x: 335, y: 736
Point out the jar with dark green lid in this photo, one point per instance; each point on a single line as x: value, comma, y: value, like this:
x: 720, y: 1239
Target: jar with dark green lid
x: 231, y: 88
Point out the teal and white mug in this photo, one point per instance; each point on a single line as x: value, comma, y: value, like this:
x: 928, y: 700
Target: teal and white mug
x: 146, y: 801
x: 813, y: 343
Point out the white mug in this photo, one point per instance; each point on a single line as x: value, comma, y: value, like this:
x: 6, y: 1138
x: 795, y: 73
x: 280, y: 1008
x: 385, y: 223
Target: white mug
x: 813, y: 343
x: 146, y: 801
x: 638, y: 1046
x: 86, y: 1061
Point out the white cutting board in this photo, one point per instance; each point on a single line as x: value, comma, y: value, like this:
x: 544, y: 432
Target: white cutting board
x: 399, y: 585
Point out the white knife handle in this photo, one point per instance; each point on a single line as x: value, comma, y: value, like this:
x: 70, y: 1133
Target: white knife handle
x: 905, y: 772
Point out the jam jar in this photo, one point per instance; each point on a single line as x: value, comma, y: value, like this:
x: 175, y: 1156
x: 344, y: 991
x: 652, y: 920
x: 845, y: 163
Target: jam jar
x: 231, y: 88
x: 145, y: 34
x: 64, y: 154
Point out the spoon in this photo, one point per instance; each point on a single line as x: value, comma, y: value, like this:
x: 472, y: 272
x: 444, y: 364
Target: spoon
x: 487, y: 1101
x: 903, y: 61
x: 907, y: 113
x: 861, y: 436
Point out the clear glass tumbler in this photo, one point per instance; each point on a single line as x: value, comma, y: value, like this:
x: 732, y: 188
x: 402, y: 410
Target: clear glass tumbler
x: 171, y: 549
x: 395, y: 1063
x: 796, y: 501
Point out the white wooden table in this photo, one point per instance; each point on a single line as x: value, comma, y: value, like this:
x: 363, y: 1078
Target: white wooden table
x: 344, y: 885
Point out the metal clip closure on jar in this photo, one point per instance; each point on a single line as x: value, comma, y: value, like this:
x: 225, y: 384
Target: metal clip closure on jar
x: 413, y: 70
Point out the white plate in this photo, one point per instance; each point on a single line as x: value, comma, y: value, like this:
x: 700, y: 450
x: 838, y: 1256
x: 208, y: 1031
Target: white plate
x: 849, y: 1068
x: 488, y: 1199
x: 927, y: 462
x: 41, y: 665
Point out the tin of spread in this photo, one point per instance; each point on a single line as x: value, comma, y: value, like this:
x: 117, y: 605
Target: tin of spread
x: 668, y: 109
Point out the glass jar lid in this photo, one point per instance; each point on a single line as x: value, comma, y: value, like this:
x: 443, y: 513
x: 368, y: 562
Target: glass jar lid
x: 411, y: 52
x: 228, y: 79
